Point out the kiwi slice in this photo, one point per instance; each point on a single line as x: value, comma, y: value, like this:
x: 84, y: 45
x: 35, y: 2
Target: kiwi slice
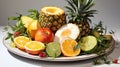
x: 53, y: 49
x: 88, y: 43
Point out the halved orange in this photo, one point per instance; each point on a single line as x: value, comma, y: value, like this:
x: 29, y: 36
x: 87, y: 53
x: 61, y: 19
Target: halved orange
x: 20, y: 41
x: 34, y: 47
x: 67, y: 47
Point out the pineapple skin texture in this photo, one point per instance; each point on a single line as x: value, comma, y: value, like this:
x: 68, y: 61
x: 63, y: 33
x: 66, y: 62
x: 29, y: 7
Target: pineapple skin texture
x: 54, y: 22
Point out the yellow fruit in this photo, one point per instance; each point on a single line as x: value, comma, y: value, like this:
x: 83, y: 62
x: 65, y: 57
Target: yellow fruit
x: 26, y: 20
x: 33, y: 27
x: 20, y: 41
x: 67, y: 47
x: 108, y: 37
x: 34, y: 47
x: 96, y: 33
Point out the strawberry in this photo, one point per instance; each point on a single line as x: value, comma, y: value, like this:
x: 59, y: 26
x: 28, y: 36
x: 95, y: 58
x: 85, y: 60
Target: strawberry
x: 42, y: 54
x: 115, y: 61
x: 16, y: 34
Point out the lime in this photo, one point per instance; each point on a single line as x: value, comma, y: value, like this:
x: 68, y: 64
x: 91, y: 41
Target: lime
x: 88, y: 43
x: 53, y: 49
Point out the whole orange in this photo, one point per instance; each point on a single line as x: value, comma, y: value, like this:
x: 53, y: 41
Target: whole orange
x: 32, y: 33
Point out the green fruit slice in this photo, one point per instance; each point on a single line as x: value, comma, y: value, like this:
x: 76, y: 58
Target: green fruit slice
x: 88, y: 43
x: 53, y: 49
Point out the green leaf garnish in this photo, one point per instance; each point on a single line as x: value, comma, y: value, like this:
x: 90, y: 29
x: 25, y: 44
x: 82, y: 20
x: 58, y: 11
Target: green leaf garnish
x: 10, y: 35
x: 96, y: 62
x: 34, y: 14
x: 77, y: 46
x: 111, y: 32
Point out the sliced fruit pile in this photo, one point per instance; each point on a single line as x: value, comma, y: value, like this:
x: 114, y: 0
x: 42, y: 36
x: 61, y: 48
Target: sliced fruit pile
x: 46, y: 33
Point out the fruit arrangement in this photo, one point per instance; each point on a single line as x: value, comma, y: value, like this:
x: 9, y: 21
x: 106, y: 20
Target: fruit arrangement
x: 48, y: 34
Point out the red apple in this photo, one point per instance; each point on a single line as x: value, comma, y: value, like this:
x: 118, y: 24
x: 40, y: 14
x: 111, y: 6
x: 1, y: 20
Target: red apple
x: 44, y: 35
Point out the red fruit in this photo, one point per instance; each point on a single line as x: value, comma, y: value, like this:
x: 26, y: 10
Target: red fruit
x: 44, y: 35
x: 16, y: 34
x: 42, y: 54
x: 115, y: 61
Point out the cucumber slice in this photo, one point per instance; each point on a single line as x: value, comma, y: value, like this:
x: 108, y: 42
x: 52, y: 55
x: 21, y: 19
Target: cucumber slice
x: 53, y: 49
x: 88, y: 43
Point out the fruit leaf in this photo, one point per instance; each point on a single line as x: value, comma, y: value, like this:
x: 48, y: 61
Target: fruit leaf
x: 10, y: 36
x: 77, y: 46
x: 33, y: 14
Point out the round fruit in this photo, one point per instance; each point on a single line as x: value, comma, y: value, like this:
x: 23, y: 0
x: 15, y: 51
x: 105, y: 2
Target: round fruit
x: 42, y: 54
x: 88, y: 43
x: 33, y: 27
x: 53, y: 49
x: 67, y: 47
x: 44, y: 35
x: 68, y: 30
x: 34, y: 47
x: 20, y: 41
x: 32, y: 33
x: 16, y: 34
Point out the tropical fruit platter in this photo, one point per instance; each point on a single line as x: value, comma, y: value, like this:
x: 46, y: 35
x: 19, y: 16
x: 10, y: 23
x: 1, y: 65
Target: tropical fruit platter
x: 53, y: 34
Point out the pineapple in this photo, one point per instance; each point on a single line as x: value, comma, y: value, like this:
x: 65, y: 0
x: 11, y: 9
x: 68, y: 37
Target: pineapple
x: 79, y: 13
x: 52, y: 17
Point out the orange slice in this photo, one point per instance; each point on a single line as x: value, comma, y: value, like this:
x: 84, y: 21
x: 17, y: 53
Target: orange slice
x: 34, y: 47
x: 67, y: 47
x: 20, y: 41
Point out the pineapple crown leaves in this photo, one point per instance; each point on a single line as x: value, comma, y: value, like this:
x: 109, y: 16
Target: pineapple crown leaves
x: 79, y: 10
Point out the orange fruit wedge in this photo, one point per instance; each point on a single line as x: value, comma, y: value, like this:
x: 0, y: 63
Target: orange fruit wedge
x: 67, y: 47
x: 20, y: 41
x: 33, y: 27
x: 34, y: 47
